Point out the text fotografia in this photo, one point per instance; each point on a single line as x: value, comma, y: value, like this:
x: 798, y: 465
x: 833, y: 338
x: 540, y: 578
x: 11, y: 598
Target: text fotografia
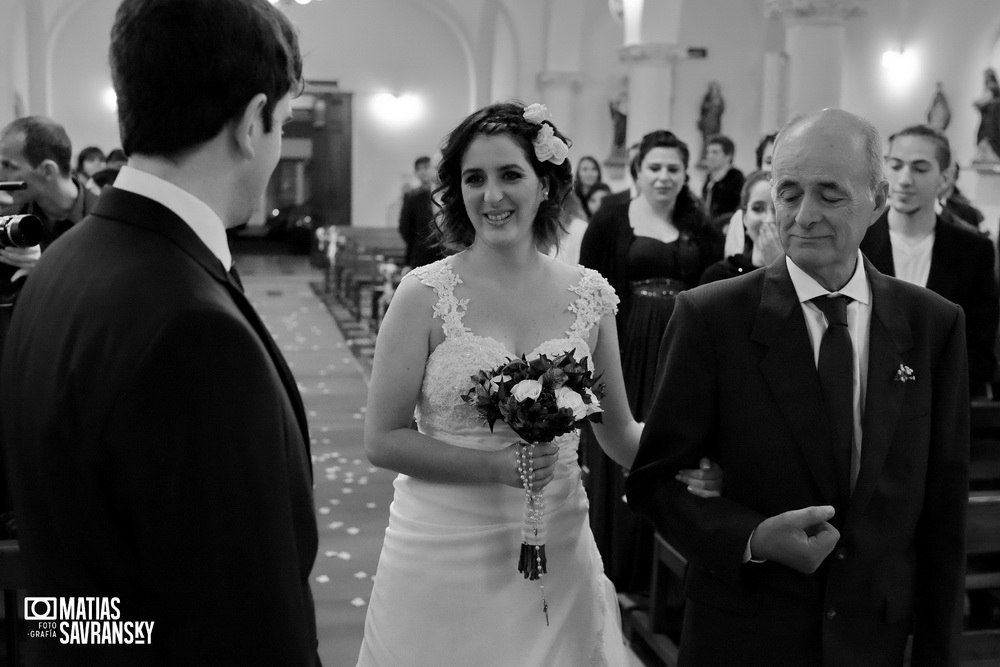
x: 84, y: 620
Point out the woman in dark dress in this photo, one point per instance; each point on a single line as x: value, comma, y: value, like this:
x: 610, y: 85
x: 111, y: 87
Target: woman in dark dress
x: 649, y: 249
x: 762, y: 245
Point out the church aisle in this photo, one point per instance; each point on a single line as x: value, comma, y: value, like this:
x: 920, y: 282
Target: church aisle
x: 352, y: 497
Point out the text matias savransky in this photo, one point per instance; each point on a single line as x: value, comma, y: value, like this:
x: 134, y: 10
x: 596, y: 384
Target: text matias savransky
x: 84, y: 620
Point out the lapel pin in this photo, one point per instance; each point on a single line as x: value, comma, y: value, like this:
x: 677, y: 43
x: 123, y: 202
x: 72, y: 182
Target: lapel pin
x: 904, y: 374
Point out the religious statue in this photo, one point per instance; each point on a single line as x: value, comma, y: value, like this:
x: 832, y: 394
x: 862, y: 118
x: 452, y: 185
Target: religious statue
x: 939, y: 112
x: 710, y: 120
x: 618, y: 106
x: 988, y: 136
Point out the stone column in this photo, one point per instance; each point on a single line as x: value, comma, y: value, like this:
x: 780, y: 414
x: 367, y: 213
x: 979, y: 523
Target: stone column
x: 650, y: 87
x: 559, y: 91
x: 814, y: 43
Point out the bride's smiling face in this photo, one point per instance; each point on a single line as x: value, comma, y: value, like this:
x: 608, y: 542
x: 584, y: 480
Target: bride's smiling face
x: 500, y: 189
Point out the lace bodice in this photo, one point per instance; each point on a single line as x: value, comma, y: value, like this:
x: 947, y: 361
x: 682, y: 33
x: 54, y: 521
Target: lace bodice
x: 447, y: 374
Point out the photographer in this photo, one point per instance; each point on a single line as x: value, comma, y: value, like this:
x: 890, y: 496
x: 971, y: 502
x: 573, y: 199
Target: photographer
x: 37, y: 151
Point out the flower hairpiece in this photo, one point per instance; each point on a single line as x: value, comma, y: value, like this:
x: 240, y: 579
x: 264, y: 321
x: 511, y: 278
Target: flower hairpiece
x: 548, y: 147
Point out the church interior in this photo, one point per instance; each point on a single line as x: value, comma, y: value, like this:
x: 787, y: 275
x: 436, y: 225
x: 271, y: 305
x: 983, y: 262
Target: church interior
x: 385, y: 82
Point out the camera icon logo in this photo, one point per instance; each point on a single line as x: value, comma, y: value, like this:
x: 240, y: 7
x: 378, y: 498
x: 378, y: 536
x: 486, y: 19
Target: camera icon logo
x: 40, y: 609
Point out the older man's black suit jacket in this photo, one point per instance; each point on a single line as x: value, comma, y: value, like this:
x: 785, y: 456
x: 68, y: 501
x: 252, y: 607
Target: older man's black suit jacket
x: 962, y: 272
x: 158, y: 447
x: 738, y: 383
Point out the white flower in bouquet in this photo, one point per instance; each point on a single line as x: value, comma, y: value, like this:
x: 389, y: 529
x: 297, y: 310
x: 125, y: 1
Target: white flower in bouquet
x: 526, y: 389
x: 495, y: 382
x: 569, y: 398
x: 595, y: 405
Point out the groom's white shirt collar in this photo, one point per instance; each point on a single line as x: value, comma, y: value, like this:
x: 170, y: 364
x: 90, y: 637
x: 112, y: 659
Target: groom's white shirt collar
x: 198, y: 215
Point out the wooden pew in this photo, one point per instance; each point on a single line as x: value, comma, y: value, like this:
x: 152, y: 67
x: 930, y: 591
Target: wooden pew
x: 356, y: 267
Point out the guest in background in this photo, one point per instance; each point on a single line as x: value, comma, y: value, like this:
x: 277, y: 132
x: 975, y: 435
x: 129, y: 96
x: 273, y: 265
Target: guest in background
x: 736, y: 234
x: 105, y: 178
x: 912, y: 243
x: 723, y: 183
x: 157, y: 441
x: 765, y: 151
x: 597, y: 195
x: 762, y: 243
x: 416, y: 218
x: 116, y: 159
x: 650, y: 249
x: 955, y: 206
x: 90, y: 161
x: 573, y: 225
x: 588, y: 176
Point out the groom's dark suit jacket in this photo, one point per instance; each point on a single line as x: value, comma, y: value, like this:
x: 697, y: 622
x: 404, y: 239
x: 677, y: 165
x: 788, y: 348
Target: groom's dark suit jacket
x: 738, y: 383
x: 961, y: 271
x: 158, y: 447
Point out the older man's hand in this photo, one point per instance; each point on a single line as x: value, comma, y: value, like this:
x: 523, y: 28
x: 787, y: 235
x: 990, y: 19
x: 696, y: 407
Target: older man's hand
x: 799, y: 539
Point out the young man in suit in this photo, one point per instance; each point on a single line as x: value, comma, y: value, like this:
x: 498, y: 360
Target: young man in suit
x: 416, y: 217
x: 844, y: 436
x: 158, y: 444
x: 913, y: 243
x: 723, y: 182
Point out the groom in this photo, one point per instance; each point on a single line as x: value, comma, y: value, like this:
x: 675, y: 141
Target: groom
x: 158, y: 444
x: 843, y: 432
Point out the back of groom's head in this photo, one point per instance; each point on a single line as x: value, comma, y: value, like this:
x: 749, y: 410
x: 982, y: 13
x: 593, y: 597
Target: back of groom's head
x: 183, y: 69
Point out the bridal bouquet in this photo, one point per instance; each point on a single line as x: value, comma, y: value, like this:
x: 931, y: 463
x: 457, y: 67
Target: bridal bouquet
x: 539, y: 400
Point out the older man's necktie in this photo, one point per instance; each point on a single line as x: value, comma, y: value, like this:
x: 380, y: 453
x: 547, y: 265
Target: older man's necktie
x: 836, y: 375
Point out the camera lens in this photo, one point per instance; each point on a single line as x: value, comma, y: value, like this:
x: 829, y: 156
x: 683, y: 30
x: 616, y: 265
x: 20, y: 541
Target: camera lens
x: 21, y: 231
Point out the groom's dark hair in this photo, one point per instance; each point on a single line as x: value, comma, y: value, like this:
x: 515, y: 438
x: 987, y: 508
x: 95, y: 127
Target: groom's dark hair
x: 182, y: 69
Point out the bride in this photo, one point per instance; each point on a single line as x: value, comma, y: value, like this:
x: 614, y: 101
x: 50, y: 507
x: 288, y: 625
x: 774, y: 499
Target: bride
x: 447, y: 590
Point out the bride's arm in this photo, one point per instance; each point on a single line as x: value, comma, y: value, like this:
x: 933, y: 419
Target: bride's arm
x: 401, y: 351
x: 619, y: 433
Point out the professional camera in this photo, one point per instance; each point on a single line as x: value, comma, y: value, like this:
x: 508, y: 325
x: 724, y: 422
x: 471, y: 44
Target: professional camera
x: 21, y: 231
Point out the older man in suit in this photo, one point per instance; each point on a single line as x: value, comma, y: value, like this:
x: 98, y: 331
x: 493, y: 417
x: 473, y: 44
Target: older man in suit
x: 158, y: 445
x: 913, y: 243
x: 836, y: 400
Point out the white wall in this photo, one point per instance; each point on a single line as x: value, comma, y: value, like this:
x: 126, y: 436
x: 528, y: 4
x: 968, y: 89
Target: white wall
x: 79, y: 76
x: 372, y: 46
x: 953, y: 41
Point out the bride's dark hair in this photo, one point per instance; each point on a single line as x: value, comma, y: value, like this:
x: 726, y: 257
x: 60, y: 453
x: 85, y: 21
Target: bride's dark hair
x: 454, y: 228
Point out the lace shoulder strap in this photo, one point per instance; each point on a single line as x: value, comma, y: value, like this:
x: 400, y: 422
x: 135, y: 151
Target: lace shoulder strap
x: 442, y: 279
x: 595, y: 299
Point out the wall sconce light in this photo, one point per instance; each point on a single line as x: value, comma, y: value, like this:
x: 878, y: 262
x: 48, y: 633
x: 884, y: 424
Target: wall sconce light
x: 110, y: 99
x: 397, y: 110
x: 900, y: 67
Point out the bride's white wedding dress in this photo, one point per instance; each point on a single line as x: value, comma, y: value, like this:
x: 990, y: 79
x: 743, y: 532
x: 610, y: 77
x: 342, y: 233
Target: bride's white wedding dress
x: 447, y: 590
